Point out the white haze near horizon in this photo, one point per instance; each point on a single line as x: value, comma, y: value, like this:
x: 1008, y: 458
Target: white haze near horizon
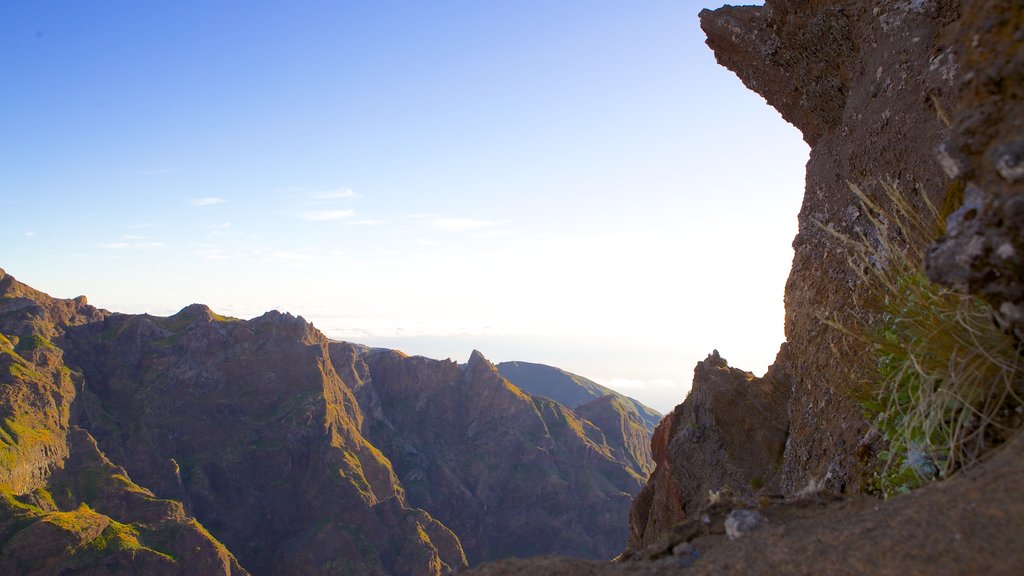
x: 584, y: 188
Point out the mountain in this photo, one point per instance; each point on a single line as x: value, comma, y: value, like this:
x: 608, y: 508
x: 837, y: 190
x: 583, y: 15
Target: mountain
x: 65, y: 507
x: 202, y: 444
x: 567, y: 388
x: 510, y: 473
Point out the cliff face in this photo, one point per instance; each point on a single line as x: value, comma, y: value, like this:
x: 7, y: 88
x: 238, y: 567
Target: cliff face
x: 869, y: 84
x: 925, y: 95
x: 511, y: 474
x: 982, y: 250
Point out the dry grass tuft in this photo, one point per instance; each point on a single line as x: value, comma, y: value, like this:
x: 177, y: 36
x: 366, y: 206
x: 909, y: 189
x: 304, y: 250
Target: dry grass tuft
x: 950, y: 381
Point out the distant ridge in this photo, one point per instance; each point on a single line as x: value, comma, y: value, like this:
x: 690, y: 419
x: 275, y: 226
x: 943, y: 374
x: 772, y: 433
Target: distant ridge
x: 566, y: 388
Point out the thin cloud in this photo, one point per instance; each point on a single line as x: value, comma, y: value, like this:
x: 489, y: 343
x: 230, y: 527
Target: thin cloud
x: 462, y: 224
x: 365, y: 222
x: 30, y: 233
x: 211, y: 254
x: 339, y: 194
x: 207, y: 201
x: 134, y: 245
x: 292, y: 256
x: 326, y: 215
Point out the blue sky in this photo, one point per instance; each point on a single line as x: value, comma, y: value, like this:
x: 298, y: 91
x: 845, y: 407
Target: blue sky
x: 566, y: 182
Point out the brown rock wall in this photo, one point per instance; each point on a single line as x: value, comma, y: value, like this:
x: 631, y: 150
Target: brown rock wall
x: 868, y: 84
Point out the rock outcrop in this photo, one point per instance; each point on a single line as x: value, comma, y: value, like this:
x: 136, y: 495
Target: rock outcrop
x: 869, y: 84
x: 727, y: 437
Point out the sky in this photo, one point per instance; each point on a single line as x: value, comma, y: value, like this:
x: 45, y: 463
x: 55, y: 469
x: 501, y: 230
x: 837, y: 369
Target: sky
x: 556, y: 181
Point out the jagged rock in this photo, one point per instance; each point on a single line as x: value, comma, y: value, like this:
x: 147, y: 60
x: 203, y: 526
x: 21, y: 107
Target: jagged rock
x: 728, y: 436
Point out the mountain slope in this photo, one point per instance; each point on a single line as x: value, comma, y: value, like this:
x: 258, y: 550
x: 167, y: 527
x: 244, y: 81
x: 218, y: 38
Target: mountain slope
x: 567, y: 388
x: 65, y: 508
x: 200, y: 444
x: 512, y: 474
x: 248, y: 425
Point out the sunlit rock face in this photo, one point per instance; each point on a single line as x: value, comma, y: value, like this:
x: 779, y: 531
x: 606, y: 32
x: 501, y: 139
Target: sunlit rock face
x: 247, y: 424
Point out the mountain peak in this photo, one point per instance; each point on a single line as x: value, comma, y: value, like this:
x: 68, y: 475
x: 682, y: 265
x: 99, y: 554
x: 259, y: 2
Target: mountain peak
x: 478, y: 364
x: 196, y: 312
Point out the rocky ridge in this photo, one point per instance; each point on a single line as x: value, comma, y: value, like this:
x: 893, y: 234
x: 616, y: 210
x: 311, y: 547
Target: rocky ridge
x: 199, y: 444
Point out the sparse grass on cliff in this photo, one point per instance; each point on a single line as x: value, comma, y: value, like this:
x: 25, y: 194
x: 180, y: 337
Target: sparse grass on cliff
x: 950, y: 380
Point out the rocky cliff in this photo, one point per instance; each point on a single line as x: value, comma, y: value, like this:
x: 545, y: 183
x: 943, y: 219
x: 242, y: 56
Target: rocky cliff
x: 884, y: 92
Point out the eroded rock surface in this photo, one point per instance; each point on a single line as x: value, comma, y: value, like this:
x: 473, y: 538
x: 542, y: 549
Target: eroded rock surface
x: 870, y: 85
x: 982, y: 250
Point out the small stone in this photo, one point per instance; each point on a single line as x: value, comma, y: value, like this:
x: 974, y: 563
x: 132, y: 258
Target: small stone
x: 953, y: 162
x: 1009, y: 160
x: 682, y: 549
x: 741, y: 522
